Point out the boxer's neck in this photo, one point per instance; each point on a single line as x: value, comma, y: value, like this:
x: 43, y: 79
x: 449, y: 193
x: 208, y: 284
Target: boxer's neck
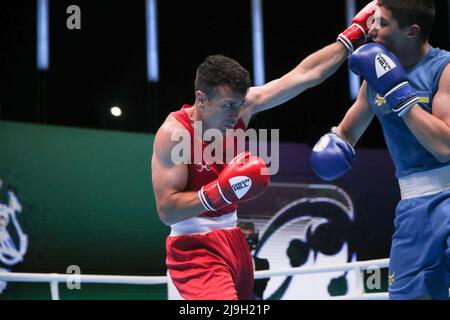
x: 195, y: 114
x: 410, y: 57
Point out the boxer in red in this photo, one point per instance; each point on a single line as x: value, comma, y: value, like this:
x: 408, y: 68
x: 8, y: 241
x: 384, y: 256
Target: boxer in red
x: 207, y: 254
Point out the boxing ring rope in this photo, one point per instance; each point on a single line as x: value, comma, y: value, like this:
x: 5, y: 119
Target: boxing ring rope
x: 357, y: 266
x: 54, y: 279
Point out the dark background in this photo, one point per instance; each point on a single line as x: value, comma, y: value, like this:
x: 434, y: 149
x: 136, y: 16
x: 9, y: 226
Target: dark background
x: 104, y: 63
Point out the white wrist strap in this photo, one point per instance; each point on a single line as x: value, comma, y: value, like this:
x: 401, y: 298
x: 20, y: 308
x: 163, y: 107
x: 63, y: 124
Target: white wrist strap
x: 204, y: 201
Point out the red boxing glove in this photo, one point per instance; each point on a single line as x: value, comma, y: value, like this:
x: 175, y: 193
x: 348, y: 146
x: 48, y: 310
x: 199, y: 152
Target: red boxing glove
x: 356, y: 35
x: 245, y: 178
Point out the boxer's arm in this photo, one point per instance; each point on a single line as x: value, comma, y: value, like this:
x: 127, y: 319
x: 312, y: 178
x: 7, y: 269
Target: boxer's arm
x: 312, y: 71
x: 433, y: 130
x: 169, y: 182
x: 357, y: 118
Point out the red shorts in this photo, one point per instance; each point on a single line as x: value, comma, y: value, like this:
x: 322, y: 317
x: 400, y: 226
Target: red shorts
x: 212, y: 266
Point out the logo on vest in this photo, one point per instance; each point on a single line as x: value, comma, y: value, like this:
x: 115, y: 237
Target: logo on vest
x: 200, y: 167
x: 391, y: 278
x: 380, y: 100
x: 383, y: 64
x: 240, y: 185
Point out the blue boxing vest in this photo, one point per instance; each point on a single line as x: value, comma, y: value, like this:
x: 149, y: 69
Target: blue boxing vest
x: 408, y: 154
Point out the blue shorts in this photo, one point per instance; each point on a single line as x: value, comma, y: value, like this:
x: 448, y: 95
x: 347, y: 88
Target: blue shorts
x: 420, y: 253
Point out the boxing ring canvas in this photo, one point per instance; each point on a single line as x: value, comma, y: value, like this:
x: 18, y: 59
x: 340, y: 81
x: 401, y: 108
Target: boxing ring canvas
x: 80, y: 197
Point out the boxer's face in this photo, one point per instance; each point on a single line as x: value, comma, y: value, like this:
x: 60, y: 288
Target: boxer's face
x: 388, y: 32
x: 247, y: 232
x: 220, y: 109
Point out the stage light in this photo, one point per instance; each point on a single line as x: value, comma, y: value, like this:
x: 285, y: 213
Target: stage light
x: 354, y: 82
x: 152, y: 40
x: 116, y: 111
x: 42, y: 35
x: 258, y: 43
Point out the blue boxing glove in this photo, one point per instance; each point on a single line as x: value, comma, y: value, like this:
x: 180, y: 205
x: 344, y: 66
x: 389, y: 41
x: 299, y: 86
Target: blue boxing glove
x: 332, y: 157
x: 384, y: 72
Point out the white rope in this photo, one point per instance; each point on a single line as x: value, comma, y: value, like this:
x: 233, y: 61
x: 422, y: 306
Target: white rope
x: 54, y: 279
x: 365, y: 296
x: 83, y: 278
x: 149, y: 280
x: 362, y: 265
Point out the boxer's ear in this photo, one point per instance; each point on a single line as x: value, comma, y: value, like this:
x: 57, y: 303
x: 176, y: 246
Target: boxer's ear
x: 201, y: 97
x: 413, y: 31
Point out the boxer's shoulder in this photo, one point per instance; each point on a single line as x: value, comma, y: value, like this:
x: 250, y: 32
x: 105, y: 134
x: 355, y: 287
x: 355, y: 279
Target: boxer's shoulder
x: 165, y: 138
x: 170, y: 125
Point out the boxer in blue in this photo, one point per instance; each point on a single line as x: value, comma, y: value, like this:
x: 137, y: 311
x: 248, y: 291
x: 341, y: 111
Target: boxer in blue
x: 407, y: 86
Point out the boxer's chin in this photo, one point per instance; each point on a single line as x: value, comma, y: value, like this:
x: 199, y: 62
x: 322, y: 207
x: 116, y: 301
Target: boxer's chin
x: 228, y: 127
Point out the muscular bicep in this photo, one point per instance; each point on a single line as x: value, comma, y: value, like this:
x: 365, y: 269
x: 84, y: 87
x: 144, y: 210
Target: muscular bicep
x: 168, y: 177
x: 357, y: 118
x: 441, y: 100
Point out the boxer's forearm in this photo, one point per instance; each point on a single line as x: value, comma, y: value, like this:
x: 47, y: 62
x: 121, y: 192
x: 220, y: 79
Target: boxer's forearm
x: 322, y: 64
x: 356, y: 119
x: 312, y: 71
x: 432, y: 132
x: 179, y: 206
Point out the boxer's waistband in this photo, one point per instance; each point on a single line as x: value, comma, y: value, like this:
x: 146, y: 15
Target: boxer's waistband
x: 202, y: 225
x: 425, y: 183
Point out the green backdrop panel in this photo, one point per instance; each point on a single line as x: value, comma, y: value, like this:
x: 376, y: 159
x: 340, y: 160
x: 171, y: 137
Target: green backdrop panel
x: 87, y: 200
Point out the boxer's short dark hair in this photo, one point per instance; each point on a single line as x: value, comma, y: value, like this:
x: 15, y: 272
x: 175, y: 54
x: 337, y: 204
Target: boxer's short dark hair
x: 219, y: 70
x: 246, y: 225
x: 409, y: 12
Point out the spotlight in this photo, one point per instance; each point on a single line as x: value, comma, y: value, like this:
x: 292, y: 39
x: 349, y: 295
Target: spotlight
x: 116, y: 111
